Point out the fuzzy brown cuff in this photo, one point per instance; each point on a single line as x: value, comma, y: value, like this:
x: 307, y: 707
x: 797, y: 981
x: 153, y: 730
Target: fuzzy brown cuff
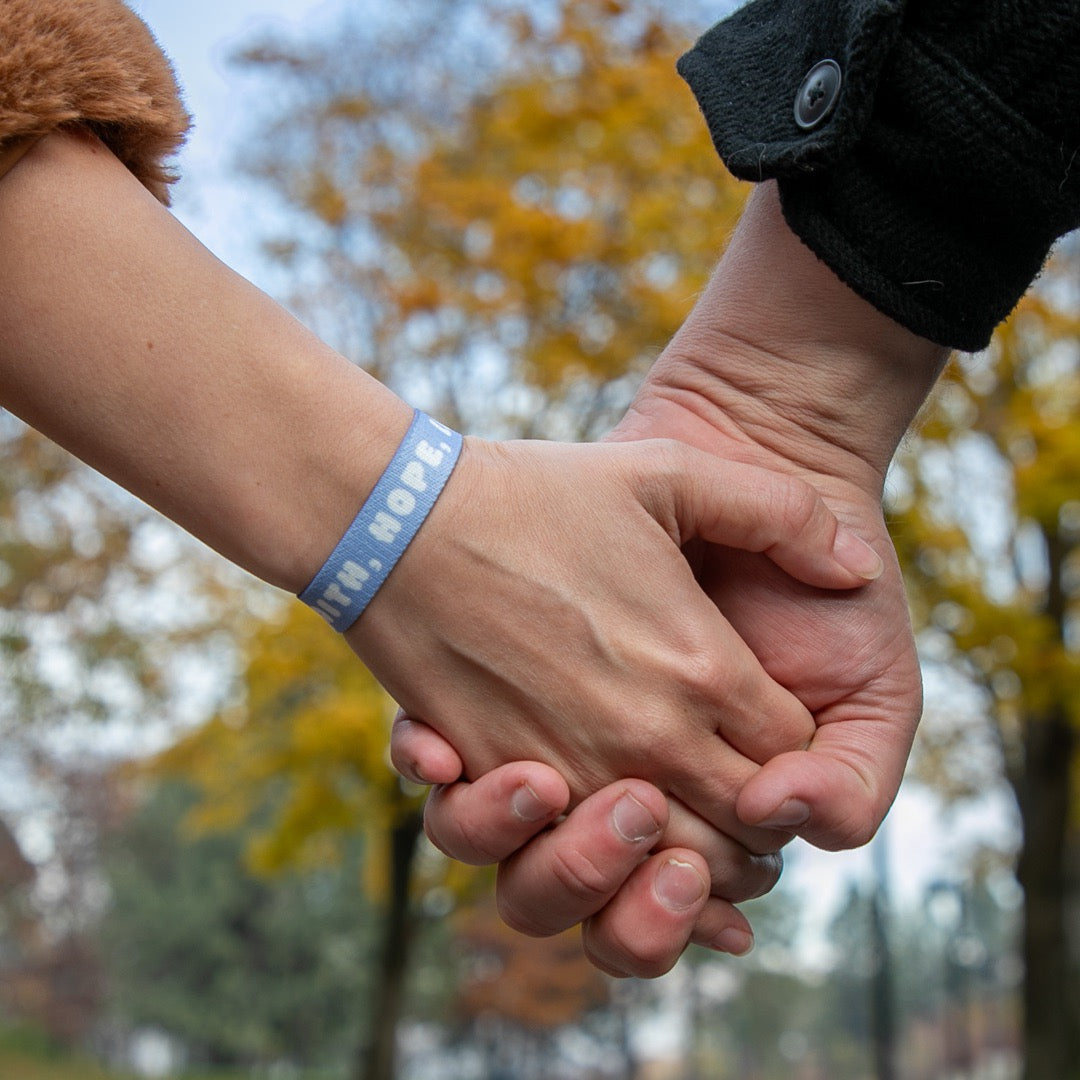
x: 94, y: 64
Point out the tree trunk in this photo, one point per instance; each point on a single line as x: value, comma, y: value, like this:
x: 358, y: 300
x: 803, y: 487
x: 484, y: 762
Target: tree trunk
x: 1050, y: 883
x: 1051, y: 1042
x: 380, y: 1060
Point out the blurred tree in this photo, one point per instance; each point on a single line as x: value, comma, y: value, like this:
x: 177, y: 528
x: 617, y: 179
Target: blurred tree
x: 90, y: 628
x: 498, y: 209
x: 850, y: 935
x: 96, y: 654
x: 517, y: 991
x: 301, y: 762
x: 502, y: 228
x: 17, y: 877
x: 533, y: 982
x: 244, y: 971
x: 988, y: 518
x: 63, y: 542
x: 50, y: 970
x: 19, y: 924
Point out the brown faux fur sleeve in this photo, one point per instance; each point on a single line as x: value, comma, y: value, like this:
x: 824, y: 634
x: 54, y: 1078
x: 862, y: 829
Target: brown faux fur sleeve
x: 91, y: 63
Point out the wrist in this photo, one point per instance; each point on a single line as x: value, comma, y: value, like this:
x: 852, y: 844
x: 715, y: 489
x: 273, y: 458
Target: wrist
x: 327, y: 468
x: 786, y: 366
x: 385, y: 525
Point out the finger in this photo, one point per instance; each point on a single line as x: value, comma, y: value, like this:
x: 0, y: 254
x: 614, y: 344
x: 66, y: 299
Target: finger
x: 573, y: 870
x: 722, y: 927
x: 421, y: 754
x: 649, y: 922
x: 755, y: 717
x: 485, y: 821
x: 837, y: 793
x: 711, y: 786
x: 736, y: 873
x: 781, y: 516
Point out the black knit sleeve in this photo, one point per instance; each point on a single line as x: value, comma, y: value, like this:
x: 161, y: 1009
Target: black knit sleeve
x: 933, y: 167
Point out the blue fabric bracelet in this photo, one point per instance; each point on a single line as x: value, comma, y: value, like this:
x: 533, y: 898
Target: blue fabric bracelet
x: 387, y: 521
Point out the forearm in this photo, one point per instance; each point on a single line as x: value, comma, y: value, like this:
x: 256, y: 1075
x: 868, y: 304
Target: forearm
x: 126, y: 341
x: 783, y: 361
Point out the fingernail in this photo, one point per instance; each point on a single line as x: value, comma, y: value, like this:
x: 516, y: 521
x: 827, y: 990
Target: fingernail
x: 679, y: 885
x: 527, y: 805
x: 633, y: 821
x: 413, y: 774
x: 736, y: 942
x: 856, y: 555
x: 788, y: 815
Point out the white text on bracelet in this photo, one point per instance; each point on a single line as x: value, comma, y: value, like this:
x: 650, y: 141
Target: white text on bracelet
x: 399, y: 505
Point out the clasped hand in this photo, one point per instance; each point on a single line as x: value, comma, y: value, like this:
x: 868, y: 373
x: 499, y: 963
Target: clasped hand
x: 782, y: 367
x: 609, y: 662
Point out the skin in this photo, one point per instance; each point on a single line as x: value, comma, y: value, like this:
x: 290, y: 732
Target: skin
x: 125, y: 340
x: 781, y: 365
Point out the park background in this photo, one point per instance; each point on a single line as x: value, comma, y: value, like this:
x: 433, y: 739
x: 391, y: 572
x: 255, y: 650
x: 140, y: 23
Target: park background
x: 206, y: 866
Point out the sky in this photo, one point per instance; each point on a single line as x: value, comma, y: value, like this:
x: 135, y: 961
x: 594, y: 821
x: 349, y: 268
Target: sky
x: 924, y: 843
x: 199, y: 36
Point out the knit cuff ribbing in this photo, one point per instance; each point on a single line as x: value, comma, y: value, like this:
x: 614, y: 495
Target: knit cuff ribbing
x: 929, y: 195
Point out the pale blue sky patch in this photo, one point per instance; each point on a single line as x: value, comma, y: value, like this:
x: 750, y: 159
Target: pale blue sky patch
x: 199, y: 37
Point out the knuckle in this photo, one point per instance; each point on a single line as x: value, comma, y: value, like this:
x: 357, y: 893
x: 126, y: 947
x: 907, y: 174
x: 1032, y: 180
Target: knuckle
x: 523, y: 920
x: 798, y: 506
x: 649, y: 740
x: 708, y: 673
x: 664, y: 453
x: 729, y: 687
x: 778, y: 730
x: 580, y: 877
x: 652, y: 464
x: 458, y: 837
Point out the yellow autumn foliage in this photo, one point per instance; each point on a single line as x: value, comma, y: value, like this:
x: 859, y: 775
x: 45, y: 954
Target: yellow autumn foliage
x: 304, y: 755
x: 557, y: 226
x: 588, y: 204
x: 990, y: 538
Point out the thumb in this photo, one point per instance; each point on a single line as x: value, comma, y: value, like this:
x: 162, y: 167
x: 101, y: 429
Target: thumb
x: 835, y: 794
x: 782, y: 517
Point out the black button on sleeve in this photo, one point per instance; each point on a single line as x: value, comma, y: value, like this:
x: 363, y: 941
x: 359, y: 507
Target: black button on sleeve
x: 818, y: 95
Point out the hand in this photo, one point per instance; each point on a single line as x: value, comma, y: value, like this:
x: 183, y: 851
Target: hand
x: 546, y: 611
x: 849, y: 657
x: 638, y: 909
x: 782, y: 365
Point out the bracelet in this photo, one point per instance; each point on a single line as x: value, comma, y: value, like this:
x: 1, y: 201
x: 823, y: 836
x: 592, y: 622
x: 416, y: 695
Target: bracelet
x: 386, y: 523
